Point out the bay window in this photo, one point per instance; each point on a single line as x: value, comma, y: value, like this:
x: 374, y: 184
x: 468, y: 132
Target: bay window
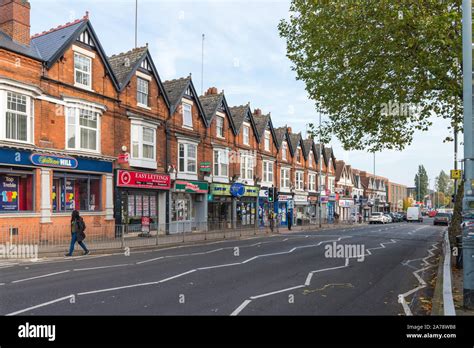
x: 268, y: 172
x: 187, y: 158
x: 221, y: 163
x: 285, y: 178
x: 299, y: 182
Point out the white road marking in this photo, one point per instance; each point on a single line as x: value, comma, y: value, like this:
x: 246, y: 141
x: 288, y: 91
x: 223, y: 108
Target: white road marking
x: 276, y: 292
x: 447, y: 290
x: 240, y: 308
x: 40, y: 305
x: 41, y: 276
x: 100, y: 267
x: 150, y: 260
x: 310, y: 274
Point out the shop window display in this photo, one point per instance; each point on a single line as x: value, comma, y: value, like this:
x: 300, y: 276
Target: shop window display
x: 16, y: 192
x: 74, y: 192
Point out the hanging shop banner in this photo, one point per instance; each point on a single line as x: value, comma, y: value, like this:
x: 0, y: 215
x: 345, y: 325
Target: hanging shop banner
x: 143, y: 180
x: 237, y: 189
x: 220, y: 189
x: 9, y: 193
x: 205, y: 167
x: 54, y: 161
x: 191, y: 186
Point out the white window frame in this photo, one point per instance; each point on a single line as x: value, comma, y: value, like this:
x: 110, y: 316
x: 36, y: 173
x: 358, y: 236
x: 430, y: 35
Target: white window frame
x: 299, y: 180
x: 312, y: 182
x: 89, y: 59
x: 75, y: 108
x: 267, y: 141
x: 186, y: 158
x: 147, y: 83
x: 246, y: 134
x: 268, y: 172
x: 140, y: 161
x: 247, y: 165
x: 285, y: 178
x: 222, y: 162
x: 220, y: 129
x: 310, y: 159
x: 298, y: 155
x: 29, y: 113
x: 183, y: 106
x: 284, y: 151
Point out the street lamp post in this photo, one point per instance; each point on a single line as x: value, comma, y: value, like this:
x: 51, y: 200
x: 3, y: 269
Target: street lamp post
x: 320, y: 170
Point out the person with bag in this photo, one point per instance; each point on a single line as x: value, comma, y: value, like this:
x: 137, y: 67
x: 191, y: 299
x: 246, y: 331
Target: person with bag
x: 78, y: 227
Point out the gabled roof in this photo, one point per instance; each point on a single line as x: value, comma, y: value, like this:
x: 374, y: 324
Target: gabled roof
x: 239, y: 114
x: 280, y: 136
x: 261, y: 124
x: 308, y: 145
x: 176, y: 89
x: 211, y: 103
x: 340, y: 167
x: 317, y: 148
x: 295, y: 141
x: 329, y: 154
x: 52, y: 44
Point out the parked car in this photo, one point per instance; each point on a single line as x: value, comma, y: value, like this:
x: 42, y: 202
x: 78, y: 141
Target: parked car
x: 414, y: 214
x: 432, y: 213
x: 396, y: 217
x: 389, y: 218
x: 442, y: 219
x: 378, y: 218
x: 404, y: 216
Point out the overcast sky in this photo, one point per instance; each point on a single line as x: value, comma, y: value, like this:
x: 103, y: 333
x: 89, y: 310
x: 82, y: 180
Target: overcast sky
x: 243, y: 54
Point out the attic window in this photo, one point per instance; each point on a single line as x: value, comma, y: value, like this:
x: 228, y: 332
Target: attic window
x: 145, y: 64
x: 188, y: 91
x: 86, y: 38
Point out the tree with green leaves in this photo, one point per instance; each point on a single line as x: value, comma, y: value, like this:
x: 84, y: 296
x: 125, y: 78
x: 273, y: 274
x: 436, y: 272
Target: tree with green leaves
x: 380, y: 69
x: 421, y: 183
x: 444, y: 184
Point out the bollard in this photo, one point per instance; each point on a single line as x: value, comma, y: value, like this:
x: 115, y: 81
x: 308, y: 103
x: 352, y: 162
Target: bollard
x: 468, y: 270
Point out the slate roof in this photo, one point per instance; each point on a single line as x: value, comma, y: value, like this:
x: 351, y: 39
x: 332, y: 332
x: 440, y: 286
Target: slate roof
x: 175, y: 90
x: 339, y: 167
x: 7, y: 43
x: 261, y: 122
x: 294, y: 141
x: 280, y: 135
x: 307, y: 146
x: 238, y: 114
x: 210, y: 103
x: 124, y: 64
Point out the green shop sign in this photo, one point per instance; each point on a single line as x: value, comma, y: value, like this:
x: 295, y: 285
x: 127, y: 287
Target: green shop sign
x: 205, y: 167
x: 191, y: 186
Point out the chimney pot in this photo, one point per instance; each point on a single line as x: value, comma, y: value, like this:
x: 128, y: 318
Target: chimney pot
x: 290, y: 130
x: 257, y: 112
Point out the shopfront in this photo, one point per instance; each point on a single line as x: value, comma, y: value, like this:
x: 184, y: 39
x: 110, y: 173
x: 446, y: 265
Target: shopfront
x: 283, y: 204
x: 264, y: 207
x: 39, y: 190
x: 312, y: 208
x: 346, y: 208
x: 246, y: 204
x: 301, y: 207
x: 221, y: 213
x: 141, y: 200
x: 189, y: 206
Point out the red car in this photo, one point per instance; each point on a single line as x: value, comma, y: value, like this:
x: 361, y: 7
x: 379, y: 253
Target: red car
x: 432, y: 213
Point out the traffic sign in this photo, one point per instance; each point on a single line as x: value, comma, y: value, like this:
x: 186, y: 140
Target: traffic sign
x: 456, y: 174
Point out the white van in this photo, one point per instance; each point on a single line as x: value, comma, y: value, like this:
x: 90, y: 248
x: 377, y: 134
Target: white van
x: 414, y: 214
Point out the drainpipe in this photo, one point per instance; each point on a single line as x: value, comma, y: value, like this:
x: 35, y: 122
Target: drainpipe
x: 167, y: 163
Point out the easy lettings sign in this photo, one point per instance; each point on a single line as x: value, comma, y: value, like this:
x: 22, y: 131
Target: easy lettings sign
x: 53, y: 161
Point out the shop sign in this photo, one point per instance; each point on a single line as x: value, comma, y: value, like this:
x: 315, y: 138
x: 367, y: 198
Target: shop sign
x: 123, y: 158
x: 301, y: 198
x: 143, y: 180
x: 283, y: 198
x: 263, y: 193
x: 220, y: 189
x: 8, y: 193
x: 191, y: 186
x: 332, y: 197
x: 237, y: 189
x: 324, y: 199
x: 251, y: 191
x: 345, y: 203
x: 145, y: 224
x: 54, y: 161
x: 205, y: 167
x: 312, y: 199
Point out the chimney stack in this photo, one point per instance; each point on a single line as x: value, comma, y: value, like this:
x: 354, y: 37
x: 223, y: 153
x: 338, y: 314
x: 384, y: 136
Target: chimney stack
x: 257, y: 112
x: 290, y: 130
x: 15, y: 20
x: 211, y: 91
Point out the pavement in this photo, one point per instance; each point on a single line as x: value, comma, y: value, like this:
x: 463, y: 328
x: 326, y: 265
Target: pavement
x: 348, y: 270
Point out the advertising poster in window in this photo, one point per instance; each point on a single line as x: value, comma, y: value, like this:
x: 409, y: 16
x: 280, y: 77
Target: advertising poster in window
x: 131, y: 205
x: 69, y: 192
x: 9, y: 193
x: 146, y: 206
x: 153, y: 211
x: 54, y: 196
x: 138, y: 205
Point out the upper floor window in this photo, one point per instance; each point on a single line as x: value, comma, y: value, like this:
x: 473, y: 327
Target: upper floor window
x: 311, y: 159
x: 267, y: 141
x: 187, y: 154
x: 284, y: 150
x: 299, y: 182
x: 268, y: 171
x: 142, y: 92
x: 246, y: 167
x: 143, y: 140
x: 221, y: 163
x: 18, y: 117
x: 187, y: 115
x: 82, y: 129
x: 285, y: 178
x: 82, y: 70
x: 298, y: 155
x: 220, y: 126
x: 312, y: 182
x: 246, y: 135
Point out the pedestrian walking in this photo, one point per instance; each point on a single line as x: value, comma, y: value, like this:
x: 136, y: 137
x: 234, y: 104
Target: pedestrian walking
x: 78, y: 227
x: 289, y: 219
x: 271, y: 218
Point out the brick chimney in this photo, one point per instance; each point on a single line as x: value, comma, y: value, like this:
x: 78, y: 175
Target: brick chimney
x: 211, y: 90
x: 290, y: 130
x: 15, y: 20
x: 257, y: 112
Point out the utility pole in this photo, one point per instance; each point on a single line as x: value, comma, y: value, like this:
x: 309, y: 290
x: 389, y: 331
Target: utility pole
x: 467, y: 241
x: 136, y: 23
x: 320, y: 169
x: 202, y: 65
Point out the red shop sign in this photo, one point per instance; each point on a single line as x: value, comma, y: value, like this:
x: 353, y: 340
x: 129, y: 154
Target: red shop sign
x: 143, y: 180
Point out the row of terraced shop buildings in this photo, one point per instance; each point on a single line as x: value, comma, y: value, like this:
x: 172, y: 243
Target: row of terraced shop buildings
x: 105, y: 136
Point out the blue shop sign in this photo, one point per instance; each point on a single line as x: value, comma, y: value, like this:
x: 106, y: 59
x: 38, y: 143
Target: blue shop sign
x: 25, y: 158
x: 53, y: 161
x: 237, y: 189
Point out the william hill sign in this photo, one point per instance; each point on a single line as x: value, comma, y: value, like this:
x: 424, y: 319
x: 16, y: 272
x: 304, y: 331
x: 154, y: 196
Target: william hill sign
x: 53, y: 161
